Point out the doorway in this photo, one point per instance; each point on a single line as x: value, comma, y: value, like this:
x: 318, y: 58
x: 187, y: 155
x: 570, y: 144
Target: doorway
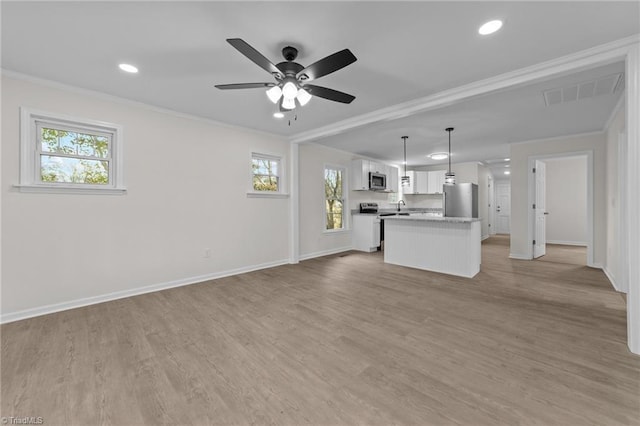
x: 503, y: 207
x: 561, y: 201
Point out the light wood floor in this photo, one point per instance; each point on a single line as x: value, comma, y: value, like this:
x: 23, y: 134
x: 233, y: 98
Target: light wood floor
x: 561, y: 253
x: 338, y: 340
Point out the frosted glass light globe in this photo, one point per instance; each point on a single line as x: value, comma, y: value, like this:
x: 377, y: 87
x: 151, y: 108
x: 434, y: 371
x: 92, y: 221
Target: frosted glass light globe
x: 289, y: 90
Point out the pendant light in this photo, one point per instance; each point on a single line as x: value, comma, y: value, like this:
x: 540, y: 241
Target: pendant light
x: 449, y: 177
x: 405, y: 180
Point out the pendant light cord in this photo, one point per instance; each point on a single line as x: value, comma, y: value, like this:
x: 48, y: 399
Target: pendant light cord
x: 449, y: 129
x: 405, y: 154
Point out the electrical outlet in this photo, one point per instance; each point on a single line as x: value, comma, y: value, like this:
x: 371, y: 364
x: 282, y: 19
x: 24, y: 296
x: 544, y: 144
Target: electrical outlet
x: 206, y: 253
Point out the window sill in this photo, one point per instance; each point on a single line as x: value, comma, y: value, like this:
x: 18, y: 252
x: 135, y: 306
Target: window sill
x: 267, y: 195
x: 70, y: 190
x: 335, y: 231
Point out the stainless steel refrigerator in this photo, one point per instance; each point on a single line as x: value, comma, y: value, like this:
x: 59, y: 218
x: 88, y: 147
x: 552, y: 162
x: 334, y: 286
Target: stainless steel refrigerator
x: 460, y: 200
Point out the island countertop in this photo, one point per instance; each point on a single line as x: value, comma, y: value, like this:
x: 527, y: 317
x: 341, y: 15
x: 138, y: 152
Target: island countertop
x: 431, y: 218
x: 449, y: 245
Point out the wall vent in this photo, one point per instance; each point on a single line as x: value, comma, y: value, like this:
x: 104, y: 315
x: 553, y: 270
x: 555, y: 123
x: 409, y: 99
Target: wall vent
x: 588, y: 89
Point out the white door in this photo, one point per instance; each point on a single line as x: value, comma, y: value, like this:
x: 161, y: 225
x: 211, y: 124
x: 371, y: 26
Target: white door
x: 540, y: 228
x: 503, y: 207
x: 491, y: 207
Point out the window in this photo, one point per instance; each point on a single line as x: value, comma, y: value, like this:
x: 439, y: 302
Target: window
x: 63, y: 154
x: 266, y: 173
x: 334, y: 198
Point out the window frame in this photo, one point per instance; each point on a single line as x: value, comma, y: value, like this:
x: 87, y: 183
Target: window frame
x: 281, y: 175
x: 31, y: 121
x: 345, y: 201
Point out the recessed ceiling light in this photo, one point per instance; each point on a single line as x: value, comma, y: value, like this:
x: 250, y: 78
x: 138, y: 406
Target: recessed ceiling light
x: 507, y: 159
x: 278, y: 114
x: 490, y: 27
x: 128, y: 68
x: 438, y: 156
x: 507, y: 172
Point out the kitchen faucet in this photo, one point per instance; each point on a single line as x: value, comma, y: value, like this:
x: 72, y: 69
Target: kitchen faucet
x: 403, y: 203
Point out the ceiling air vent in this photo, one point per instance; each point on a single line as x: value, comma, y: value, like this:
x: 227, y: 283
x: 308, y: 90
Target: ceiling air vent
x: 588, y: 89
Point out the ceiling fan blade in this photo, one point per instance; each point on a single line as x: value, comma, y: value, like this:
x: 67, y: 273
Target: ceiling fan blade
x: 330, y: 94
x: 328, y: 65
x: 257, y: 57
x: 244, y: 86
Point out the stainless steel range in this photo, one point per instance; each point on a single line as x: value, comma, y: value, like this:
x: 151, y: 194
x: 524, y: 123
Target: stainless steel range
x: 369, y: 208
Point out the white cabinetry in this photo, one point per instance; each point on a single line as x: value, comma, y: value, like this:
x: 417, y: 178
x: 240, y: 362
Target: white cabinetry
x: 377, y: 167
x: 410, y: 189
x: 435, y: 180
x: 365, y: 232
x: 392, y: 178
x: 418, y: 183
x: 360, y: 175
x: 421, y: 182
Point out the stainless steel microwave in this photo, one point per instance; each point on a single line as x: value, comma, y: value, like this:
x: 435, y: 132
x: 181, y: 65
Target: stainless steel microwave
x: 377, y: 181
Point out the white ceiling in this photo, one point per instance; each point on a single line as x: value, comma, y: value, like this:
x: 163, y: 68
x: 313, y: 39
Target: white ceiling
x: 405, y: 50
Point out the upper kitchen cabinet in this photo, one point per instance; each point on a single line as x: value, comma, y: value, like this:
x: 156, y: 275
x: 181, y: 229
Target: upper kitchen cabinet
x: 360, y: 175
x: 392, y: 179
x: 377, y: 167
x: 435, y: 181
x: 360, y: 170
x: 418, y: 183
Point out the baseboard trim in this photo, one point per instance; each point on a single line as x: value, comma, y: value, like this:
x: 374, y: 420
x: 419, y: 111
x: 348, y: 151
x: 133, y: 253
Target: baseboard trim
x: 612, y: 280
x: 93, y: 300
x: 325, y: 253
x: 568, y: 243
x: 484, y: 237
x: 519, y: 256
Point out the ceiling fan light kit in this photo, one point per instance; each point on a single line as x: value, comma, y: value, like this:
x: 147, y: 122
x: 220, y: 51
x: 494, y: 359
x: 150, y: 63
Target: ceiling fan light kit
x: 288, y: 103
x: 303, y: 97
x: 291, y: 87
x: 274, y: 94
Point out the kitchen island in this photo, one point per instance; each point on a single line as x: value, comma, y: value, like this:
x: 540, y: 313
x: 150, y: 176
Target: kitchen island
x: 450, y: 245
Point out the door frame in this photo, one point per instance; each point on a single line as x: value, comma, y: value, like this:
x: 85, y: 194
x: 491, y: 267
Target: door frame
x: 531, y: 231
x: 491, y: 195
x: 495, y: 198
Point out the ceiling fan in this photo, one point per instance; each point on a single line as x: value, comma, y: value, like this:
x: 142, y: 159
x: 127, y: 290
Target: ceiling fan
x: 291, y: 87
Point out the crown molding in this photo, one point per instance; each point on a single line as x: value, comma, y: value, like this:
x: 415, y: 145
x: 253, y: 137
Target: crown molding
x: 555, y: 138
x: 613, y: 114
x: 598, y: 55
x: 116, y: 99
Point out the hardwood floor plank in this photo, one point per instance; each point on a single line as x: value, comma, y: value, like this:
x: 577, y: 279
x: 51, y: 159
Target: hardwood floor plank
x: 339, y: 340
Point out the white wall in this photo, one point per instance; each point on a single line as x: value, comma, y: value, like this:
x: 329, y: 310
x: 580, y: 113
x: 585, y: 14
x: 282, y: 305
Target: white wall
x: 187, y: 183
x: 314, y: 241
x: 566, y: 200
x: 520, y: 153
x: 614, y: 262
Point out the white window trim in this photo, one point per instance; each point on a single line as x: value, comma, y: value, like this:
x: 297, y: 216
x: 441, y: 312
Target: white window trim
x: 345, y: 203
x: 282, y: 177
x: 29, y: 182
